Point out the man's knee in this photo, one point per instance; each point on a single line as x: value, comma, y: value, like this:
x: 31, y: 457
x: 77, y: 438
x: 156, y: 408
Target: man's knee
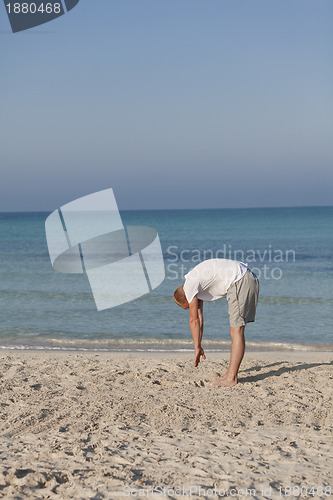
x: 237, y: 331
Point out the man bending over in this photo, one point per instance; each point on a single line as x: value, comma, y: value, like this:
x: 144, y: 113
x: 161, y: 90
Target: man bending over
x: 210, y: 280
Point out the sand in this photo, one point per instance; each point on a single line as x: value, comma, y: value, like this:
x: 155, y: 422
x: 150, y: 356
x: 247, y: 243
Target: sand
x: 113, y: 425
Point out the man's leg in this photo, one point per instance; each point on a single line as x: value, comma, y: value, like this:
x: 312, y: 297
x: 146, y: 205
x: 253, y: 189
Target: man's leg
x: 229, y: 379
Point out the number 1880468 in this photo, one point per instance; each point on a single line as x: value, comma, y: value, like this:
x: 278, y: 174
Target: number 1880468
x: 33, y: 8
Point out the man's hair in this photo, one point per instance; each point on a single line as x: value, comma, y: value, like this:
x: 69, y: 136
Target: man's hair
x: 179, y: 296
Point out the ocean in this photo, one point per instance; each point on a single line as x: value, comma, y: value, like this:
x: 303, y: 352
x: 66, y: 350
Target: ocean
x: 290, y: 250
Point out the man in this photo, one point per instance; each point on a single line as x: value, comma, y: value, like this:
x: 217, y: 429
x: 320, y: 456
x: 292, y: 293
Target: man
x: 210, y: 280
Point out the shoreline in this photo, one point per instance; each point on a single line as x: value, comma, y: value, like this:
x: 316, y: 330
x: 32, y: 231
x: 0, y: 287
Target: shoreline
x: 160, y: 354
x: 210, y: 345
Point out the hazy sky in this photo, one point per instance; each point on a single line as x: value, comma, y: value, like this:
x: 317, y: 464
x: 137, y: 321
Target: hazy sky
x: 172, y: 103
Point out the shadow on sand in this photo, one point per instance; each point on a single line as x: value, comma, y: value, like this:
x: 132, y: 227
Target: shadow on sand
x: 277, y: 372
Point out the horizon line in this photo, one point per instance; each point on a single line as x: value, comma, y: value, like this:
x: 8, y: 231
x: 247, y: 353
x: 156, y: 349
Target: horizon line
x: 178, y: 209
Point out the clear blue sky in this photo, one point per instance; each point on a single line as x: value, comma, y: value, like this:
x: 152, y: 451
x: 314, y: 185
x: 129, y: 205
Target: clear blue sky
x: 172, y: 103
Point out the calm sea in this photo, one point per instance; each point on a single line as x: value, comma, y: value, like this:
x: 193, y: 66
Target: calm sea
x: 290, y: 250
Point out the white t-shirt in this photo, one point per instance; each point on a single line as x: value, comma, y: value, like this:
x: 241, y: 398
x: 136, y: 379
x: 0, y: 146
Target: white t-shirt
x: 211, y: 279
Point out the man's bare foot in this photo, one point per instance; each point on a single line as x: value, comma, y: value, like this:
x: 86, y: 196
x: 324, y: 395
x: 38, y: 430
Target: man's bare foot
x: 224, y: 382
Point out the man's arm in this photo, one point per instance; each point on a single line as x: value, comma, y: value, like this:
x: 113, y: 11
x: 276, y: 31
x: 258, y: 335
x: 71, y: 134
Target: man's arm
x: 201, y: 320
x: 196, y: 327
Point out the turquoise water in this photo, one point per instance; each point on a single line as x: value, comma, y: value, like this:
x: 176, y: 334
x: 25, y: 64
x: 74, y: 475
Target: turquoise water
x: 290, y: 249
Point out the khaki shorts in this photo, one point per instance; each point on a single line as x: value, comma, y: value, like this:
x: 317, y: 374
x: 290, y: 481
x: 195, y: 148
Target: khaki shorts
x: 242, y: 298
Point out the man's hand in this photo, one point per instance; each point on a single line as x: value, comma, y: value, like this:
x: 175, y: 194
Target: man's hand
x: 198, y: 353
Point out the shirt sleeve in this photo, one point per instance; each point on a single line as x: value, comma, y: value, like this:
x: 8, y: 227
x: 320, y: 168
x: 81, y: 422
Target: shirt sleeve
x: 191, y: 288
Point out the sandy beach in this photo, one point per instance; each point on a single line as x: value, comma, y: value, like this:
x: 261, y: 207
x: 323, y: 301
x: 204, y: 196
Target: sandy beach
x: 112, y: 425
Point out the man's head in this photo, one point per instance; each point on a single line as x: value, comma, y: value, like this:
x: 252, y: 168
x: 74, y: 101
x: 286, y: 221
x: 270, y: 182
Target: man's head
x: 180, y: 297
